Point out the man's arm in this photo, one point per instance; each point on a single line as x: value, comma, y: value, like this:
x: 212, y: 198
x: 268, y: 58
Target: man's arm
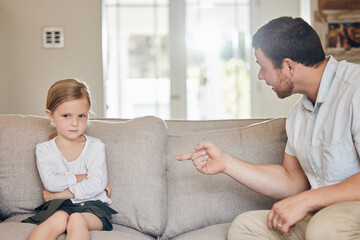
x: 287, y: 181
x: 276, y: 181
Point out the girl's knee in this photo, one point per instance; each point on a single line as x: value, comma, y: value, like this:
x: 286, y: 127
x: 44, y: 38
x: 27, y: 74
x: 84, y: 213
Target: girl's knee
x: 76, y: 220
x: 53, y: 227
x: 58, y: 221
x: 61, y: 215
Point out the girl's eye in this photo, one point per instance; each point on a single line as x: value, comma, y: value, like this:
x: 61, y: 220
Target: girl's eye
x: 65, y: 116
x: 82, y: 116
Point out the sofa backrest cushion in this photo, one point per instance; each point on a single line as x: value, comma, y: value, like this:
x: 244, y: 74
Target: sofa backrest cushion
x: 20, y: 184
x: 136, y: 159
x: 135, y: 152
x: 196, y: 200
x: 176, y: 127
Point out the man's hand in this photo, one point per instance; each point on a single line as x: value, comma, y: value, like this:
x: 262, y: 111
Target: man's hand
x: 286, y: 213
x: 207, y: 158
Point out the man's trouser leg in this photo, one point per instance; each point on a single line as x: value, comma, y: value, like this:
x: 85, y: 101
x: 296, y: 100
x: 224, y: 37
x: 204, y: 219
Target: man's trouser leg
x: 253, y: 226
x: 339, y: 221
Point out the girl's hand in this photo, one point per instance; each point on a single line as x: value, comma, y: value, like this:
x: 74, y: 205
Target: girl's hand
x: 47, y: 195
x: 108, y: 190
x: 66, y: 194
x: 80, y: 177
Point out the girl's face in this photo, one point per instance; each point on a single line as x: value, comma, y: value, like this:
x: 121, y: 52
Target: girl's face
x: 70, y: 119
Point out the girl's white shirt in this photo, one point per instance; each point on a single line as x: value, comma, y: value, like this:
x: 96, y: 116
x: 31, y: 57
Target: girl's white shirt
x: 57, y: 174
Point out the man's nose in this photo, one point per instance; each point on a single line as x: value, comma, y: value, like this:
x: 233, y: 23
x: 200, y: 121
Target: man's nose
x: 261, y: 75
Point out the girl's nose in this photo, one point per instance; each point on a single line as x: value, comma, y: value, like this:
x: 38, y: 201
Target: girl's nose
x: 74, y: 121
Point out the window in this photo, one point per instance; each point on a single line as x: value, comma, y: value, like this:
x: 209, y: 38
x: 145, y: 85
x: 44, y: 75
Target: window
x: 142, y: 74
x: 218, y: 83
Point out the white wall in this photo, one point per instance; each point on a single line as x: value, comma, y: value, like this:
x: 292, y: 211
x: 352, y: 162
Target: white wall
x: 27, y: 70
x: 4, y: 64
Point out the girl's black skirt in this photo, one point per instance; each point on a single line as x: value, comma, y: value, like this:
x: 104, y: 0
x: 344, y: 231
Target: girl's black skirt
x: 98, y: 208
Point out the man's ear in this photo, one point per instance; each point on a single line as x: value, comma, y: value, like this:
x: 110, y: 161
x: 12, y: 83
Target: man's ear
x: 290, y: 65
x: 49, y: 115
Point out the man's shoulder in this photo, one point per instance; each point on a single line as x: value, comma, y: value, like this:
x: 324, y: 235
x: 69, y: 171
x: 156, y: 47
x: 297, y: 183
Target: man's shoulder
x: 298, y: 106
x: 348, y: 73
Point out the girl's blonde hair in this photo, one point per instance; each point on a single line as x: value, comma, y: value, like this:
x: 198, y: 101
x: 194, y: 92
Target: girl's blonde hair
x: 66, y: 90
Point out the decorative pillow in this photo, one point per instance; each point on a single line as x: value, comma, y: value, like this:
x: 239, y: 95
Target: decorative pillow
x: 136, y: 159
x: 196, y: 200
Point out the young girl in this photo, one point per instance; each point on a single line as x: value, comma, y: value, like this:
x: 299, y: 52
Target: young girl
x: 72, y: 168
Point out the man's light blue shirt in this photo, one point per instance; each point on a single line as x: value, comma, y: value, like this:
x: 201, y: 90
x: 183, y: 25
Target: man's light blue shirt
x: 325, y: 136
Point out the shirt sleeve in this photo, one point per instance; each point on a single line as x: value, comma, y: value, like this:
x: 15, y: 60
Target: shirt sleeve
x: 288, y: 148
x: 355, y: 124
x: 54, y: 177
x: 96, y: 174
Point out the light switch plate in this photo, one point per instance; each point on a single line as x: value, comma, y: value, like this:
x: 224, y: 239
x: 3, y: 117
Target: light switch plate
x: 53, y: 37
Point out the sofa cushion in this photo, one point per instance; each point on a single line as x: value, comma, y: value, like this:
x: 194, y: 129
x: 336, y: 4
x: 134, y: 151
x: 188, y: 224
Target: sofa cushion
x: 136, y: 159
x: 20, y: 184
x: 213, y: 232
x: 135, y: 152
x: 17, y: 230
x: 196, y: 200
x: 176, y: 127
x: 8, y: 231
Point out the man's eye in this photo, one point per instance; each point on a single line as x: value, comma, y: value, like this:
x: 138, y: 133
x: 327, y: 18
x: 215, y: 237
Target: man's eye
x: 82, y: 116
x: 65, y: 116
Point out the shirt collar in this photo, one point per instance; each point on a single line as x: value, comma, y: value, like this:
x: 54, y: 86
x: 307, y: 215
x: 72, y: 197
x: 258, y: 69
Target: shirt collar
x: 325, y: 83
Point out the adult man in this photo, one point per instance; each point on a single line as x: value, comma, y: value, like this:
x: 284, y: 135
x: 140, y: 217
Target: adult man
x: 319, y: 180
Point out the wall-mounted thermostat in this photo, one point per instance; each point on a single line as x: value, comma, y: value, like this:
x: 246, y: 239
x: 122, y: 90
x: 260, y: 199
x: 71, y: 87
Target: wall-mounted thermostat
x: 53, y: 37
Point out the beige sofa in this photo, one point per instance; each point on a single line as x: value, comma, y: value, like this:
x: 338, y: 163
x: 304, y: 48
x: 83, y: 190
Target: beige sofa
x: 156, y: 196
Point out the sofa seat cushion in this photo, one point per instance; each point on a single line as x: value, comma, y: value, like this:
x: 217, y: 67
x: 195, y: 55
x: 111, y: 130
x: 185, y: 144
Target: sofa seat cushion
x: 16, y: 230
x: 196, y: 200
x: 213, y: 232
x: 121, y: 231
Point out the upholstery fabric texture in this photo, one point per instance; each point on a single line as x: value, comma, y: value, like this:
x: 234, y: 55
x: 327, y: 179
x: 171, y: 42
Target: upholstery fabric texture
x: 196, y: 200
x: 135, y: 156
x: 20, y: 184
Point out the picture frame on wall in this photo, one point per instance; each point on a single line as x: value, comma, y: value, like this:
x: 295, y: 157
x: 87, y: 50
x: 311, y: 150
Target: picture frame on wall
x: 339, y: 4
x: 339, y: 32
